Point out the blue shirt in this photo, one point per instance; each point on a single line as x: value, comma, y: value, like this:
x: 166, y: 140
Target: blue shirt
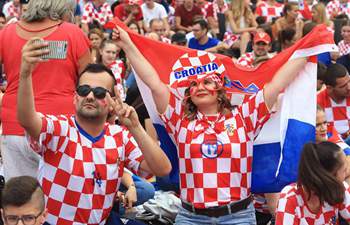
x: 212, y: 42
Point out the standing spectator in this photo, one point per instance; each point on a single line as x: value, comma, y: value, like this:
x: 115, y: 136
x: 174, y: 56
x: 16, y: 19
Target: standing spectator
x: 335, y: 99
x: 321, y: 192
x: 319, y: 15
x: 96, y: 11
x: 290, y: 20
x: 201, y: 41
x: 218, y: 6
x: 261, y: 47
x: 83, y: 157
x: 96, y: 37
x: 338, y: 7
x: 12, y: 9
x: 153, y: 10
x: 269, y: 10
x: 23, y: 200
x: 129, y: 11
x: 240, y: 21
x: 54, y: 82
x: 179, y: 39
x: 344, y: 45
x: 185, y: 15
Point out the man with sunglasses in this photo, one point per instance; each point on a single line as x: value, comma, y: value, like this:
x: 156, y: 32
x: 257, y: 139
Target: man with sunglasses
x: 23, y: 200
x: 83, y: 156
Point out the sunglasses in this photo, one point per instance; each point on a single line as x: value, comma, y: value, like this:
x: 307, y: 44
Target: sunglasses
x: 99, y: 92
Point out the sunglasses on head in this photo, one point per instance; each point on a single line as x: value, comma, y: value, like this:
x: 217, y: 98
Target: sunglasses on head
x: 84, y: 90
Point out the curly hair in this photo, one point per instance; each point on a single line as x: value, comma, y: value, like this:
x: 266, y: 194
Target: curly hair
x: 190, y: 109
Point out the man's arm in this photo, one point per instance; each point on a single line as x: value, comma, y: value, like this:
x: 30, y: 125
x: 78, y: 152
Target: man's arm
x: 26, y: 114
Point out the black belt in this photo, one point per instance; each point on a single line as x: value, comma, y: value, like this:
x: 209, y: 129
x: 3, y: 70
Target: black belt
x: 218, y: 211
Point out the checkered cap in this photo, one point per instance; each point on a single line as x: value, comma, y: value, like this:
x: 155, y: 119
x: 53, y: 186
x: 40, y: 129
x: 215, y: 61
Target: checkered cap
x: 195, y: 65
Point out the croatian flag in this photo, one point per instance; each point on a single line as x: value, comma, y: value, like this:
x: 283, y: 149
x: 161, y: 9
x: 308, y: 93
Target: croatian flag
x: 278, y: 146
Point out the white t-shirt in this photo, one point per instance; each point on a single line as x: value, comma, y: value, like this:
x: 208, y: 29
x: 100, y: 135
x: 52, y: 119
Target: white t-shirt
x: 157, y: 12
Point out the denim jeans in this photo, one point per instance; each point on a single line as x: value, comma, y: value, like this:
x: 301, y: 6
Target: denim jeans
x: 243, y: 217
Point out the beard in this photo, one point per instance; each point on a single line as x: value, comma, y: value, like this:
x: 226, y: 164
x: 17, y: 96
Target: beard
x: 90, y: 114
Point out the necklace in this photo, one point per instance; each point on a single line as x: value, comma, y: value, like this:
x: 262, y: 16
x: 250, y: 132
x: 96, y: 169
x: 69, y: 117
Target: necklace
x: 38, y: 30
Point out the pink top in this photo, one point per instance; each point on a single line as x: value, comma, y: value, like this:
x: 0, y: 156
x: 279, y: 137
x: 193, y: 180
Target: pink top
x: 54, y: 81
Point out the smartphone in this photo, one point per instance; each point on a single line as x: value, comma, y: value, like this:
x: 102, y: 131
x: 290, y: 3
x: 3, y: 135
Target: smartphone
x: 58, y: 50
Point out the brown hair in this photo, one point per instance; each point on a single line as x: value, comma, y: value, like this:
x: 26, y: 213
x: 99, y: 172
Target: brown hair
x: 20, y: 190
x: 190, y: 109
x: 318, y: 163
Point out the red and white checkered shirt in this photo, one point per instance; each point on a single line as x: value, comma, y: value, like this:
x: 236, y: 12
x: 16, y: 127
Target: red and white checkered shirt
x: 118, y: 69
x: 292, y: 209
x: 102, y: 14
x: 338, y: 115
x: 81, y: 176
x: 260, y: 203
x: 269, y: 12
x: 246, y: 59
x: 11, y: 10
x: 344, y: 48
x: 334, y: 8
x: 215, y: 153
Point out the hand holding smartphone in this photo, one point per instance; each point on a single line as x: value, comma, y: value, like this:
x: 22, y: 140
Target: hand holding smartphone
x: 57, y: 50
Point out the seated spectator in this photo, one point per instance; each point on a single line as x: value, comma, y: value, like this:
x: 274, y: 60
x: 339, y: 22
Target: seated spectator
x: 201, y: 41
x: 129, y: 11
x: 109, y: 56
x: 160, y: 28
x: 185, y: 14
x: 289, y: 20
x: 269, y: 10
x: 261, y: 47
x: 335, y: 8
x: 96, y: 37
x: 135, y: 27
x: 344, y: 45
x: 321, y: 193
x: 321, y: 71
x: 179, y: 39
x: 98, y: 11
x: 218, y: 6
x: 23, y: 200
x: 286, y: 38
x: 319, y: 15
x: 153, y: 10
x: 240, y: 21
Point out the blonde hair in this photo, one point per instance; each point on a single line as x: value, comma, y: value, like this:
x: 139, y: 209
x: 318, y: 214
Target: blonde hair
x: 53, y: 9
x: 239, y: 10
x: 321, y: 12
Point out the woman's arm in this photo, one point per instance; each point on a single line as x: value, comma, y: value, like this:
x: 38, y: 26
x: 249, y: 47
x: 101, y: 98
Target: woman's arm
x: 235, y: 29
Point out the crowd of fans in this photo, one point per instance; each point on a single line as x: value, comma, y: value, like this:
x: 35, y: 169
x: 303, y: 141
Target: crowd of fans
x: 37, y: 141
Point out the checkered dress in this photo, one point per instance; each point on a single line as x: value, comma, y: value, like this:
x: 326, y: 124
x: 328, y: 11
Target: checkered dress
x: 292, y: 209
x: 269, y: 12
x: 102, y: 15
x: 344, y: 48
x: 79, y: 177
x: 336, y: 114
x: 334, y: 8
x: 215, y: 155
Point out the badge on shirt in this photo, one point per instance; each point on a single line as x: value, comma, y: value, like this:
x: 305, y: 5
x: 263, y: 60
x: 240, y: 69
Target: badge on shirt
x: 230, y: 128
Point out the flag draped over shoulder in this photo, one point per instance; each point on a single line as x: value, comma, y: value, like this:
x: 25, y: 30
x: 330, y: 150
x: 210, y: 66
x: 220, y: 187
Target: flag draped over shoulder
x: 278, y: 146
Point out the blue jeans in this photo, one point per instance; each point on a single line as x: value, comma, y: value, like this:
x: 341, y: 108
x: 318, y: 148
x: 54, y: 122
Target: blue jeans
x: 243, y: 217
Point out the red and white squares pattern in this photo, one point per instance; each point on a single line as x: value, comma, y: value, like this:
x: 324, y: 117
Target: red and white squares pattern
x: 102, y: 15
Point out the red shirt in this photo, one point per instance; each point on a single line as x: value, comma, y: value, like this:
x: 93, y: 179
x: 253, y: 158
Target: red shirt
x: 54, y: 82
x: 122, y: 14
x: 187, y: 16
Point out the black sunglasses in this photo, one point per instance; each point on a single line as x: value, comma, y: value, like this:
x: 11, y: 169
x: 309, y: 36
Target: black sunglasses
x: 99, y: 92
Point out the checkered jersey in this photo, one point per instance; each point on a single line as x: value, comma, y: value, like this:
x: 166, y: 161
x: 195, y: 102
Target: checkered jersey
x: 246, y: 59
x: 260, y: 203
x: 79, y: 177
x: 269, y: 12
x: 344, y: 48
x: 11, y: 10
x: 292, y: 209
x: 118, y: 69
x: 215, y: 158
x: 102, y: 14
x: 230, y: 38
x: 336, y: 114
x: 334, y: 8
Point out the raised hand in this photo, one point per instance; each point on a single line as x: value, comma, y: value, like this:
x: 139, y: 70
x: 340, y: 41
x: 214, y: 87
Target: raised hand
x: 31, y: 54
x: 125, y: 113
x: 121, y: 37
